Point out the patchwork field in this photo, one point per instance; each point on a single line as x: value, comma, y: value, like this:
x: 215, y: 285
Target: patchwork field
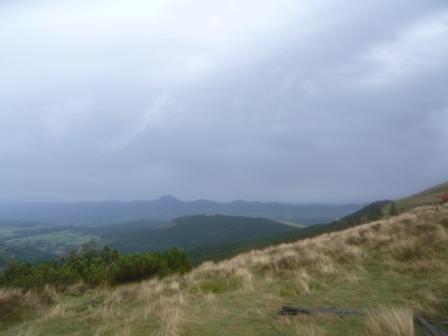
x: 41, y: 238
x: 58, y: 243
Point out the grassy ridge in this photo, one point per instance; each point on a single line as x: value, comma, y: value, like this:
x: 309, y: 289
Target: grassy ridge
x: 392, y: 268
x: 430, y: 196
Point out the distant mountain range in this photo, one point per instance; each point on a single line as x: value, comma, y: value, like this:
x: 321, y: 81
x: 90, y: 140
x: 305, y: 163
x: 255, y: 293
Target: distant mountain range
x: 167, y: 208
x: 36, y: 231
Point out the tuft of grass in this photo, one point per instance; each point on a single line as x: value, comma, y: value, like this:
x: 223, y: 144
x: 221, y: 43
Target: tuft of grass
x: 391, y: 321
x: 220, y: 285
x: 309, y: 330
x: 11, y: 303
x: 15, y: 304
x: 169, y: 312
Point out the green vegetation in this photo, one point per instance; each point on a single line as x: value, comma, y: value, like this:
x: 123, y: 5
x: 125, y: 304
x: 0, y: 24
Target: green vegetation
x: 7, y: 232
x: 227, y: 249
x: 193, y: 232
x: 10, y: 253
x: 386, y: 259
x: 219, y: 285
x: 57, y: 243
x: 392, y: 268
x: 33, y: 242
x: 202, y: 237
x: 93, y: 267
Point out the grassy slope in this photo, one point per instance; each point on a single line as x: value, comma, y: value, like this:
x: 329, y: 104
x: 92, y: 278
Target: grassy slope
x: 399, y: 262
x: 430, y: 196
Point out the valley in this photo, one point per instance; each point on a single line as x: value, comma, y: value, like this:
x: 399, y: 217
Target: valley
x: 389, y: 266
x: 51, y: 230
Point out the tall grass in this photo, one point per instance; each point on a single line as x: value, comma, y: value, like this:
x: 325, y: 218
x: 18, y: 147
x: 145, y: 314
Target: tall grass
x: 395, y: 321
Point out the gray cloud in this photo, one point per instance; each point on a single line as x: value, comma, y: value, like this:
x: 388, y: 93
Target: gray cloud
x: 270, y: 100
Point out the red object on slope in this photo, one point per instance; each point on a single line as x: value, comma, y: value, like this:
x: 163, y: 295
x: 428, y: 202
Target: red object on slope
x: 445, y: 198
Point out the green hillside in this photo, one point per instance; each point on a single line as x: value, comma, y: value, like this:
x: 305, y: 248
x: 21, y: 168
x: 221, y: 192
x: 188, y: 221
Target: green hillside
x: 193, y: 232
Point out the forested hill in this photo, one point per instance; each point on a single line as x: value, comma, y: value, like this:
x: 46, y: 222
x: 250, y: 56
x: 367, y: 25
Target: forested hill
x: 198, y: 231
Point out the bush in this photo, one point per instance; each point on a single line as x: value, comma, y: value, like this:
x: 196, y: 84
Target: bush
x: 138, y: 266
x: 93, y: 267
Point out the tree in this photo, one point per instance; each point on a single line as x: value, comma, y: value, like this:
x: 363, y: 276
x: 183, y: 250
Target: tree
x: 393, y: 209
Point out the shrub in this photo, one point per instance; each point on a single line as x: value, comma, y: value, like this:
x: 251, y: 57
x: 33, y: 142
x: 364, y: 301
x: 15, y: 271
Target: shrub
x: 93, y: 267
x: 11, y: 303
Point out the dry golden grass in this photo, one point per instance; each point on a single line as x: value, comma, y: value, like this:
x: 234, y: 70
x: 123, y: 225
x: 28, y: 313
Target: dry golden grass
x: 60, y: 310
x: 309, y: 330
x: 14, y: 301
x: 396, y: 321
x: 28, y: 331
x: 170, y: 313
x: 402, y: 235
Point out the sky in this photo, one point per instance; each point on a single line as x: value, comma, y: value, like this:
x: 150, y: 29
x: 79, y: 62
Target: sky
x: 270, y: 100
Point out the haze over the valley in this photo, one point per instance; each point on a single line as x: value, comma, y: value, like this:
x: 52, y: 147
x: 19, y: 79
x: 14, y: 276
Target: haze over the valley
x: 297, y: 101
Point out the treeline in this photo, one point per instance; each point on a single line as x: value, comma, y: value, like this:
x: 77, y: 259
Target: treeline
x: 93, y: 267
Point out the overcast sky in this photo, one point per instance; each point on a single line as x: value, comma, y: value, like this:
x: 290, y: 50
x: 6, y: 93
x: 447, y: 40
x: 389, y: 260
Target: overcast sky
x: 287, y: 100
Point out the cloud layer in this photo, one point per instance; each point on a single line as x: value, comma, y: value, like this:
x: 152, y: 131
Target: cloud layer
x: 267, y: 100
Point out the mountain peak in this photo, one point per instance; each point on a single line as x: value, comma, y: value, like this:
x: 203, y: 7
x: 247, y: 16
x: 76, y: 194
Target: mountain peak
x: 168, y: 199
